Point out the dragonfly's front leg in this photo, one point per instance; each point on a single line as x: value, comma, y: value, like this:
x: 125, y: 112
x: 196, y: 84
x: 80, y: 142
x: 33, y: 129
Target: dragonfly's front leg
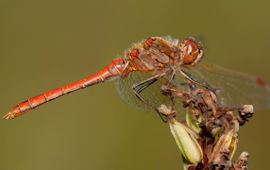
x: 172, y: 74
x: 195, y: 81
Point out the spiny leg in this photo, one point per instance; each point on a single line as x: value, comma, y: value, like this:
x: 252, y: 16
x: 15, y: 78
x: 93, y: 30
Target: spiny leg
x: 172, y: 74
x: 139, y: 87
x: 195, y: 81
x: 169, y: 83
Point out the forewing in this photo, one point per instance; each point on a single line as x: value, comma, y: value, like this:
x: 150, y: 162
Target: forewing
x: 234, y: 88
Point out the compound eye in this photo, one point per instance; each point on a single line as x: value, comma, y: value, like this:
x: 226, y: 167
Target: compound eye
x: 191, y: 52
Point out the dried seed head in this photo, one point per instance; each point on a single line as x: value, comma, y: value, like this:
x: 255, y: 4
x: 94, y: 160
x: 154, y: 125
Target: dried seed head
x: 245, y: 113
x: 226, y: 144
x: 247, y: 109
x: 241, y: 162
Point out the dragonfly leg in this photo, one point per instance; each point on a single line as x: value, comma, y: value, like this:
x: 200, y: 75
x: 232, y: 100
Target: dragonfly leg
x: 172, y: 75
x: 195, y: 81
x: 139, y: 87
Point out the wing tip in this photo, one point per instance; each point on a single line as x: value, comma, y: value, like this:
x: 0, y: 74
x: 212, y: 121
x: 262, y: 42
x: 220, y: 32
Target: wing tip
x: 262, y: 83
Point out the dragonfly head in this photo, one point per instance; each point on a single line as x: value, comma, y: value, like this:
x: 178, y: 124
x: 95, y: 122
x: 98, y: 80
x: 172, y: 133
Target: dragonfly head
x: 191, y: 52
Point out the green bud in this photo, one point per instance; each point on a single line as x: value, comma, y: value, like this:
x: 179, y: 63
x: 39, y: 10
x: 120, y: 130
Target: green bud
x: 192, y: 124
x: 186, y: 142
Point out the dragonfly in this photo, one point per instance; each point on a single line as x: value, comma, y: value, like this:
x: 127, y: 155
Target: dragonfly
x: 156, y: 61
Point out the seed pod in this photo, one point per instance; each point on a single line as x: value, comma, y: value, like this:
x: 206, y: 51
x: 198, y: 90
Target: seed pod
x: 227, y: 143
x: 192, y: 124
x: 186, y: 142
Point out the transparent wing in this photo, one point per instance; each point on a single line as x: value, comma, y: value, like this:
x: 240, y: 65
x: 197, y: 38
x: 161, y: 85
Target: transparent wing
x: 152, y: 95
x: 235, y: 88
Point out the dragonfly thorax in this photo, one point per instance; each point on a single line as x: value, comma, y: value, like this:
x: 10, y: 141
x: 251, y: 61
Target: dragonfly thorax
x: 153, y: 54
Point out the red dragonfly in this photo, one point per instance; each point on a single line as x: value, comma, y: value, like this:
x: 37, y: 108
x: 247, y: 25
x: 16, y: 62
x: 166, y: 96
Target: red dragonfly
x: 158, y: 60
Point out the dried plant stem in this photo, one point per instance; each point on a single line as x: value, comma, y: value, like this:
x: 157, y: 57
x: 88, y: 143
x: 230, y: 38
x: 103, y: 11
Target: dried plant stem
x: 209, y: 136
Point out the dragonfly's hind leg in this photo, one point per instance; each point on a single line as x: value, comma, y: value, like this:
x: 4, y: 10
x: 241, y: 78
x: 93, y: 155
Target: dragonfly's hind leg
x: 139, y: 87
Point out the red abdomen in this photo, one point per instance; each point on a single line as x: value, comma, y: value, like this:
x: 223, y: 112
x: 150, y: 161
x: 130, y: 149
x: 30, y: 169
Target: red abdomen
x: 112, y: 70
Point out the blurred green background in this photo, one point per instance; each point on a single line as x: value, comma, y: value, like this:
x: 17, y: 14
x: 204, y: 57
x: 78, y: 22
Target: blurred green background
x: 46, y: 44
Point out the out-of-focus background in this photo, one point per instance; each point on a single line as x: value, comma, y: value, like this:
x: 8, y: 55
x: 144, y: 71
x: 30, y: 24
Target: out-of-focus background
x: 46, y: 44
